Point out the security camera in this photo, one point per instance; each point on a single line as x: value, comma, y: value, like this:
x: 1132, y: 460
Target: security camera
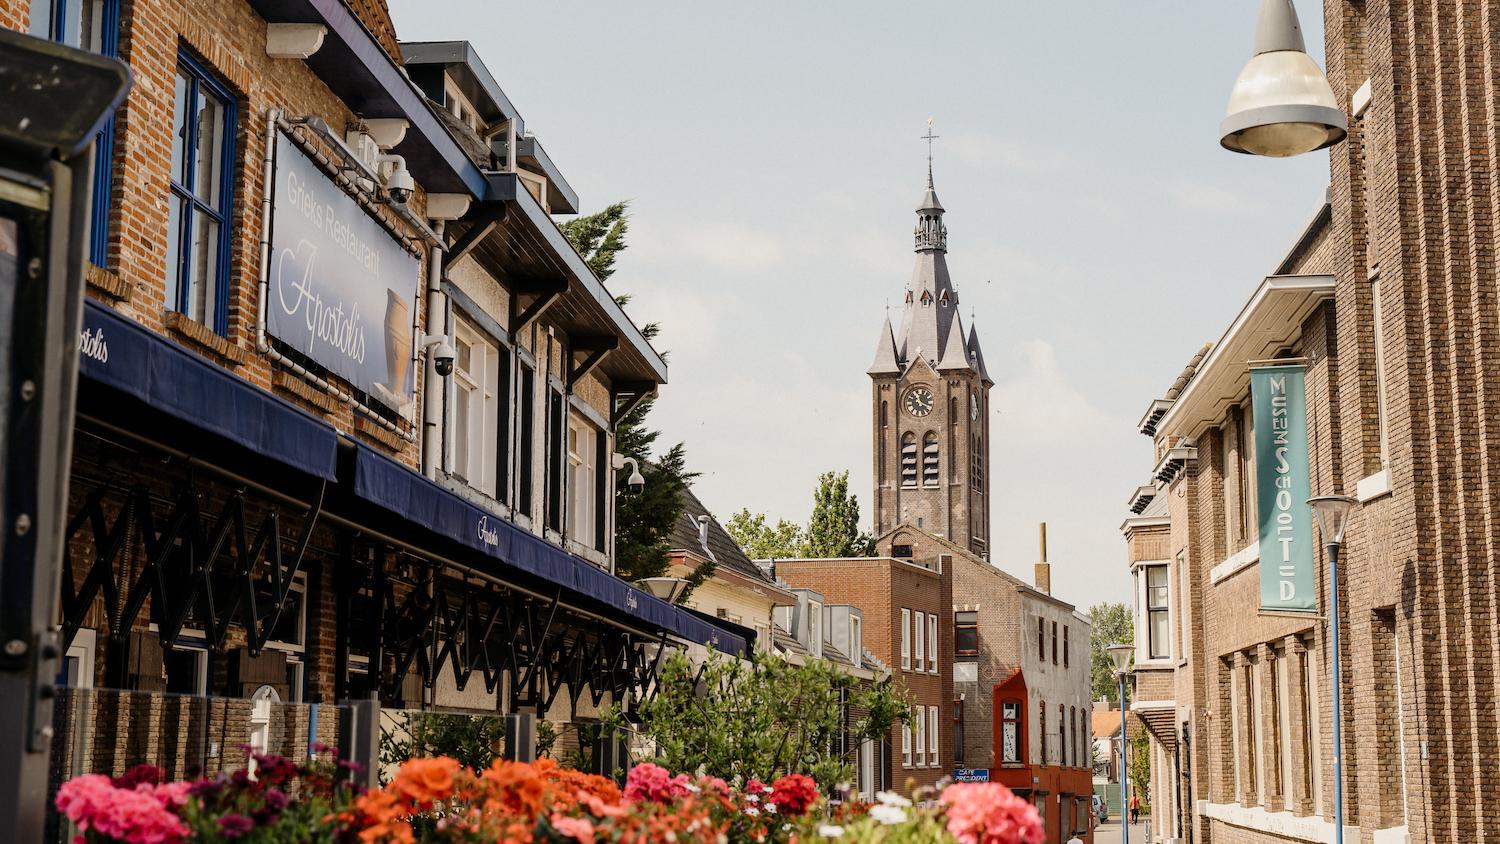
x: 636, y: 483
x: 399, y: 186
x: 441, y: 352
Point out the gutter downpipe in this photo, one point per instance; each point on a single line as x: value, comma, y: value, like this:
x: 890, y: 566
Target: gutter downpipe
x: 432, y: 384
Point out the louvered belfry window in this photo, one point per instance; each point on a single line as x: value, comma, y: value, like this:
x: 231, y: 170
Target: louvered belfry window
x: 930, y: 459
x: 908, y: 459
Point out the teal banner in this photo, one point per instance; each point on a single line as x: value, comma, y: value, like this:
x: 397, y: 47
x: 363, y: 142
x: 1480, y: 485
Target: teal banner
x: 1287, y: 576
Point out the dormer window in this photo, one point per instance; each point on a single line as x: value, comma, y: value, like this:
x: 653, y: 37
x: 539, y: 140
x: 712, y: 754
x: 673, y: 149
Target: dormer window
x: 943, y: 300
x: 459, y: 106
x: 926, y: 299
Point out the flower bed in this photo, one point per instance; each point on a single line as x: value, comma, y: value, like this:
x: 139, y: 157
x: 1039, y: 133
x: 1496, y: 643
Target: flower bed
x: 439, y: 800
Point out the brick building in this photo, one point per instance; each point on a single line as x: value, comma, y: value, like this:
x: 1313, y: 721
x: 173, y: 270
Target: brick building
x: 1389, y: 297
x: 345, y: 420
x: 902, y: 604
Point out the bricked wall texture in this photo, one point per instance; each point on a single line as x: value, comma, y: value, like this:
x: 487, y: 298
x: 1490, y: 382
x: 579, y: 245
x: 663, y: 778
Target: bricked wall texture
x: 1409, y: 236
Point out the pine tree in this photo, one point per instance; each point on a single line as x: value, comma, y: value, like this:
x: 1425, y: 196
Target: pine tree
x: 642, y: 522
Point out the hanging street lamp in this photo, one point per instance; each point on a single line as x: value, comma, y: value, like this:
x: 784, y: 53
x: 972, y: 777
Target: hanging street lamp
x: 1281, y: 104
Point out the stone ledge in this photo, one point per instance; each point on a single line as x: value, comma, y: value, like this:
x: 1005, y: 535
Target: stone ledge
x: 107, y: 282
x: 290, y: 383
x: 204, y: 338
x: 1237, y: 562
x: 1284, y: 824
x: 379, y: 433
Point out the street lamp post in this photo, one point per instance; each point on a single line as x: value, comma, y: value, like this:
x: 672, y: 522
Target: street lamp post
x: 1333, y: 517
x: 1281, y: 104
x: 1120, y: 656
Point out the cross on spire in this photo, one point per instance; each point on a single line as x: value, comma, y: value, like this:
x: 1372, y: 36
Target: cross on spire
x: 929, y: 138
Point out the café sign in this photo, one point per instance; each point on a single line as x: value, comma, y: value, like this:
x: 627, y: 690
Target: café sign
x: 342, y: 286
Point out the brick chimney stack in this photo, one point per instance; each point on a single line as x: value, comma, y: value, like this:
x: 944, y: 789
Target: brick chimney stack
x: 1043, y: 568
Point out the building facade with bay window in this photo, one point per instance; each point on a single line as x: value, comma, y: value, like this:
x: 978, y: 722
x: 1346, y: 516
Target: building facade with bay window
x: 1387, y: 310
x: 282, y: 499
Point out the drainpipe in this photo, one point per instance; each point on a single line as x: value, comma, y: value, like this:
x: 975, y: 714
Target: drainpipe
x: 432, y: 385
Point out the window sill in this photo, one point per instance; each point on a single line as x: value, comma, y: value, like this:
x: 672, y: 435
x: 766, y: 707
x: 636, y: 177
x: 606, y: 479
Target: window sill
x: 1375, y: 486
x: 372, y: 430
x: 1302, y: 828
x: 107, y: 282
x: 204, y: 338
x: 284, y: 381
x: 1236, y: 563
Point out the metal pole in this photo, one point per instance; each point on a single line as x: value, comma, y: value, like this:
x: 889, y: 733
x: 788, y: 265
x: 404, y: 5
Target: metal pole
x: 1338, y: 737
x: 1124, y: 768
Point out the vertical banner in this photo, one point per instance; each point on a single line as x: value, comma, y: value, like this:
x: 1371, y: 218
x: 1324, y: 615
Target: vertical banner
x: 1287, y: 576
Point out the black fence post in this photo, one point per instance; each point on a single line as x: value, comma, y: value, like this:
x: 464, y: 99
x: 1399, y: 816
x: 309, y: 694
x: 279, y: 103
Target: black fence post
x: 520, y: 737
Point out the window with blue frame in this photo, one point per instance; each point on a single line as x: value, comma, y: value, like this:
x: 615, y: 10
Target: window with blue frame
x: 203, y: 128
x: 92, y: 25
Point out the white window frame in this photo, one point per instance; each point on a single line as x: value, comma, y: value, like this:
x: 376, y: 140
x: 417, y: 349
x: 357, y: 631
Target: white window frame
x: 815, y: 629
x: 932, y: 735
x: 856, y: 640
x: 582, y: 484
x: 921, y: 739
x: 932, y: 643
x: 919, y: 633
x: 83, y: 649
x: 906, y: 745
x: 1144, y: 597
x: 473, y: 456
x: 905, y: 639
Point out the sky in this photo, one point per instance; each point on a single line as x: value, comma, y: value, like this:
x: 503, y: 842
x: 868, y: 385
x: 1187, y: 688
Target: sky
x: 772, y: 158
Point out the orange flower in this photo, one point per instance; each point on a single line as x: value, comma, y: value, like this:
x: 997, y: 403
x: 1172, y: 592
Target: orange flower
x: 424, y: 781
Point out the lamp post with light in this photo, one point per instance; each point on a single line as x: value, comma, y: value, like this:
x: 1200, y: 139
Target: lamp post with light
x: 1333, y: 517
x: 1120, y: 656
x: 1281, y: 104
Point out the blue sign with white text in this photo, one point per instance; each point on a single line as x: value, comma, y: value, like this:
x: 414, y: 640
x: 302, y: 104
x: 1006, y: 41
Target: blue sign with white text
x: 971, y: 775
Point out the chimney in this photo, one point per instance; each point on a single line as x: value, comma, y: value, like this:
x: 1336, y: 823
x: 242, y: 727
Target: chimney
x: 1043, y: 568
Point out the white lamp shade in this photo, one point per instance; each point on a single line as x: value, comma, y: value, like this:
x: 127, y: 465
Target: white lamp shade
x: 1333, y: 515
x: 1120, y: 656
x: 1282, y: 106
x: 665, y: 588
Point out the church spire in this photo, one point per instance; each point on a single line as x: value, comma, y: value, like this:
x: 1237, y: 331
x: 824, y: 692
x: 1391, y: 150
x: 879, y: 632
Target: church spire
x: 931, y: 234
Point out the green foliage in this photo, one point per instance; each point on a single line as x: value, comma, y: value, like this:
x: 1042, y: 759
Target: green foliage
x: 474, y: 740
x: 765, y: 719
x: 643, y: 522
x: 761, y: 541
x: 1140, y: 768
x: 1112, y: 623
x: 833, y: 530
x: 599, y: 238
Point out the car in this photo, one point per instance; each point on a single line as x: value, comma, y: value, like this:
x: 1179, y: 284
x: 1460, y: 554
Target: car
x: 1101, y: 808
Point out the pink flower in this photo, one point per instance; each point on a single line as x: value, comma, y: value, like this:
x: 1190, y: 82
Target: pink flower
x: 651, y: 783
x: 988, y: 813
x: 578, y: 829
x: 133, y: 815
x: 755, y: 786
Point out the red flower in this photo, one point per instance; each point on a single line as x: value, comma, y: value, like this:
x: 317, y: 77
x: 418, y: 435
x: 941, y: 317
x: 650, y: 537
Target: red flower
x: 988, y: 813
x: 794, y: 793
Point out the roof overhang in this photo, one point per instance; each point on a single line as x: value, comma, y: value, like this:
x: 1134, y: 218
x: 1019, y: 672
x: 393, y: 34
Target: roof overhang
x: 1142, y: 497
x: 463, y: 65
x: 1129, y: 526
x: 1173, y: 462
x: 1268, y: 322
x: 361, y: 73
x: 560, y: 195
x: 1153, y: 415
x: 526, y: 251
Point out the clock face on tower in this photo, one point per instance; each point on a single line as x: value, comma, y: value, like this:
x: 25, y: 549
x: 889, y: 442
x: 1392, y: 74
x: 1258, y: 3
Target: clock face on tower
x: 919, y: 401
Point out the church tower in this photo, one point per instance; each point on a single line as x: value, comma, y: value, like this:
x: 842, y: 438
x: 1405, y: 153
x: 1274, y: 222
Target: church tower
x: 931, y: 404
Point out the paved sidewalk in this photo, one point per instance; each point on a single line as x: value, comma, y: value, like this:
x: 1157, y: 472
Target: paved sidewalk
x: 1110, y: 833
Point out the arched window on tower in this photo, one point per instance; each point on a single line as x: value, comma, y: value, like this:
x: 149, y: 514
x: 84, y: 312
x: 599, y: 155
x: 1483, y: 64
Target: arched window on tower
x: 908, y: 459
x: 930, y: 459
x: 977, y: 474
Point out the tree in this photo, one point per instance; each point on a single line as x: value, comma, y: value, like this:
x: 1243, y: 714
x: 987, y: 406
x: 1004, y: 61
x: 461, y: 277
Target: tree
x: 642, y: 522
x: 1140, y: 767
x: 833, y: 530
x: 765, y: 719
x: 1112, y: 624
x: 762, y: 541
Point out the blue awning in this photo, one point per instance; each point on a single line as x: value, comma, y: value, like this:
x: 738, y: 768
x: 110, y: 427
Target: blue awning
x: 395, y: 488
x: 122, y: 354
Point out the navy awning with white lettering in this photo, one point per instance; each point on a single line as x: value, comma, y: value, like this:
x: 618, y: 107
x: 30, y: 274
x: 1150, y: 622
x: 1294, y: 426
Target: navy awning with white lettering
x: 393, y: 487
x: 120, y: 353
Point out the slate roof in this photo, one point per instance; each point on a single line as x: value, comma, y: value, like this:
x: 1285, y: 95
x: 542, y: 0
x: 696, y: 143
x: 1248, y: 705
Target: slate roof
x: 684, y: 537
x: 930, y: 325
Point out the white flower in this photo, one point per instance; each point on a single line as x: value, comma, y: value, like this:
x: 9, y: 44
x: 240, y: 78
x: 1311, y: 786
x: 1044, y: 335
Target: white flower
x: 888, y: 814
x: 752, y: 798
x: 771, y: 808
x: 752, y: 811
x: 891, y: 798
x: 690, y: 787
x: 786, y: 827
x: 828, y: 830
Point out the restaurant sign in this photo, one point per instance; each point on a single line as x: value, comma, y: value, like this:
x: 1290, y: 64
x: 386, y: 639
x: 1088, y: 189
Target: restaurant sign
x: 1287, y: 574
x: 342, y: 286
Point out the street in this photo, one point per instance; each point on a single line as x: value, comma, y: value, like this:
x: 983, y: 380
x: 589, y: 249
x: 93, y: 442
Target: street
x: 1109, y: 832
